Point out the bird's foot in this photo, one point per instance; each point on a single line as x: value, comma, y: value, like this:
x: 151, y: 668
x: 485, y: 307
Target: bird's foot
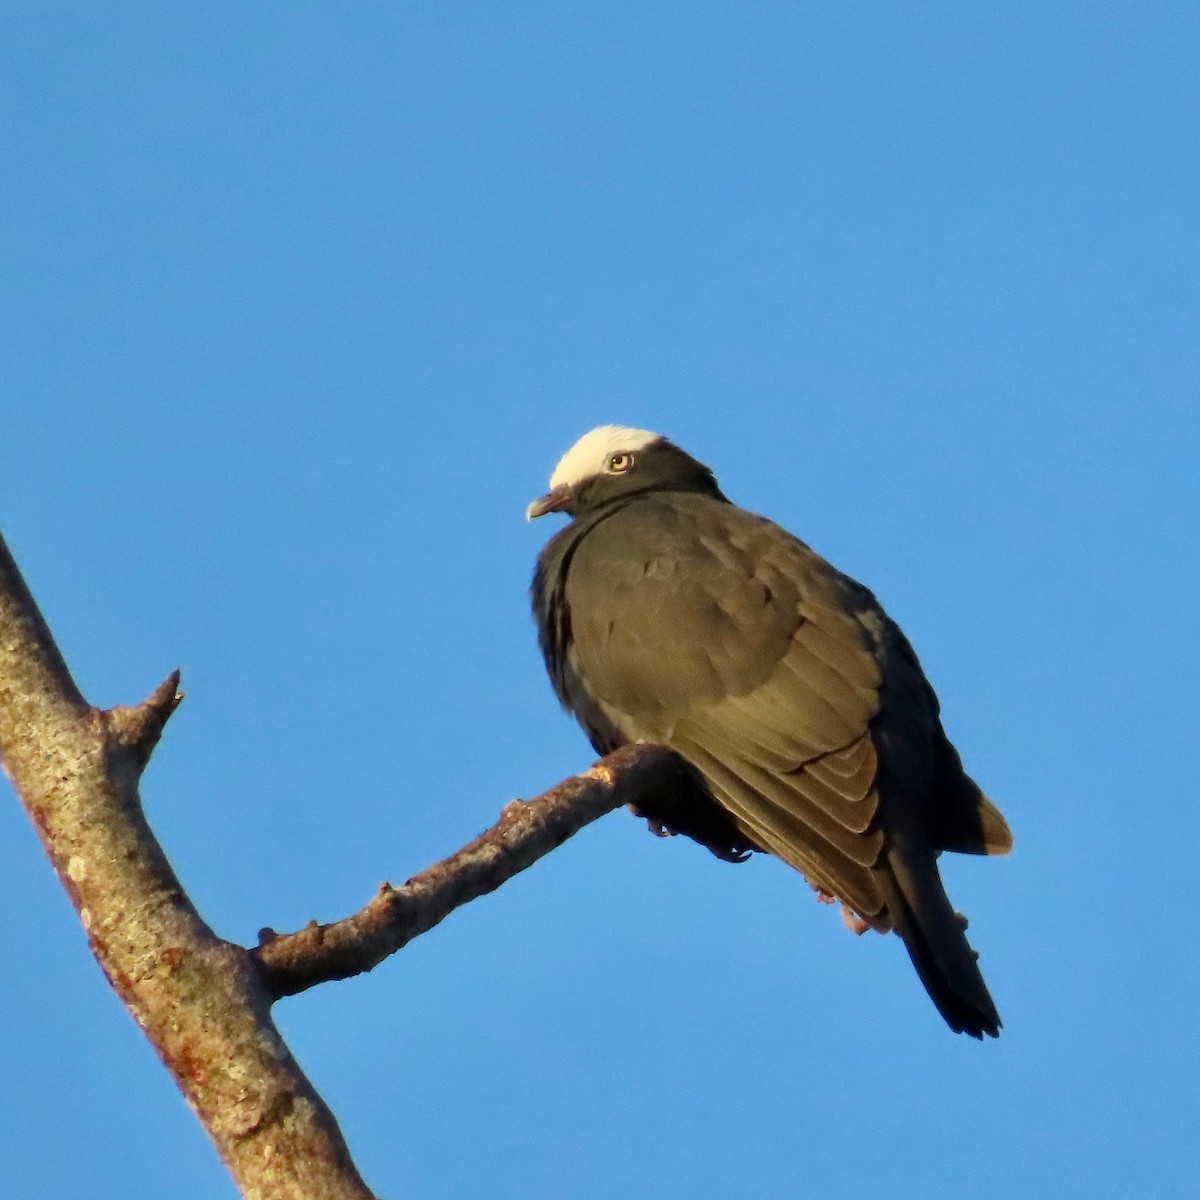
x: 654, y: 824
x: 854, y: 922
x: 961, y: 918
x: 704, y: 822
x: 823, y: 897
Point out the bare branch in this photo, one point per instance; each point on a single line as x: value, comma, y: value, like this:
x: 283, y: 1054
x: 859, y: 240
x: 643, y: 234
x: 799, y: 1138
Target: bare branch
x: 200, y: 1000
x: 203, y: 1002
x: 138, y: 728
x: 524, y: 833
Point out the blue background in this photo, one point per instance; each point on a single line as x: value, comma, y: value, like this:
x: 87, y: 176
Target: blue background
x: 302, y: 303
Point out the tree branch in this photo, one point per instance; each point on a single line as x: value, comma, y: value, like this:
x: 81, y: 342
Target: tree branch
x: 204, y: 1003
x: 524, y: 833
x: 200, y: 1000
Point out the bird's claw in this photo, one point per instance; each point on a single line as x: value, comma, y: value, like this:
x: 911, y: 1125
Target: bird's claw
x: 854, y: 922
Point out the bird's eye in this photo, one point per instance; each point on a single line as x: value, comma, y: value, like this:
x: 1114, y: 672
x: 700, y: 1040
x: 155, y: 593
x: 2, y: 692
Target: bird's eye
x: 620, y: 462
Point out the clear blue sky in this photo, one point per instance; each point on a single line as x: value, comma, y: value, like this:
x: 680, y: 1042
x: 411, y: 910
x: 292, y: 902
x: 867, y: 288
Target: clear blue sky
x: 301, y: 304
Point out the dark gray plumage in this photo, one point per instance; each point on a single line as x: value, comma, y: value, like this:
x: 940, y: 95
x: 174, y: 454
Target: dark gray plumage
x: 667, y: 614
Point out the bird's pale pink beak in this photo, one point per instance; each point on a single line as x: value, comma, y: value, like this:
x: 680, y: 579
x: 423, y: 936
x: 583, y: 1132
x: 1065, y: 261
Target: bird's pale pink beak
x: 558, y: 499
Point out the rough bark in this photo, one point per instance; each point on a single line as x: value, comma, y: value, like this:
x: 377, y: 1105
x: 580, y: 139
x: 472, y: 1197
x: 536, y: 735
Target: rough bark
x: 204, y: 1003
x: 200, y: 1000
x: 318, y: 953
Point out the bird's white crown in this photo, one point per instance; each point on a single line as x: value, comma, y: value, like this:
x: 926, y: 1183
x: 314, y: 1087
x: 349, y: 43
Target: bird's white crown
x: 589, y: 455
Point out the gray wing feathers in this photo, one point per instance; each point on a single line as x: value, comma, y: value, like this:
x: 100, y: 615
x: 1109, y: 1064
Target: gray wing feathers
x: 780, y: 831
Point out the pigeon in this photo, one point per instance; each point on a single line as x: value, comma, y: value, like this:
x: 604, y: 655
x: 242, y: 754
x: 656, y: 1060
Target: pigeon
x: 804, y: 723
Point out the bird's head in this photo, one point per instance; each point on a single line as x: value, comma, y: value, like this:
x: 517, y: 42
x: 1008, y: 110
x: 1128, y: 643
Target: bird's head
x: 614, y: 461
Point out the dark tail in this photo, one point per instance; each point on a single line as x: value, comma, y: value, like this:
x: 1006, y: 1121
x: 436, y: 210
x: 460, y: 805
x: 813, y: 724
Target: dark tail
x: 936, y: 942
